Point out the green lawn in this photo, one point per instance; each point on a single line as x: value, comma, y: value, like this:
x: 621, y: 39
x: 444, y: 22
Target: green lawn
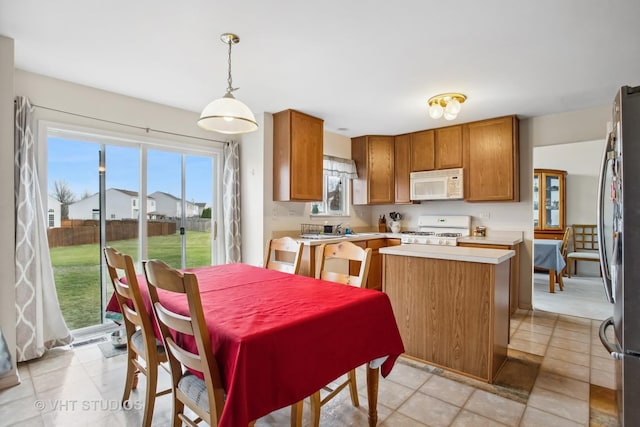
x: 77, y: 271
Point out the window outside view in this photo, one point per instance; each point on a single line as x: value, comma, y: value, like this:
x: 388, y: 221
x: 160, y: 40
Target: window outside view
x: 73, y: 214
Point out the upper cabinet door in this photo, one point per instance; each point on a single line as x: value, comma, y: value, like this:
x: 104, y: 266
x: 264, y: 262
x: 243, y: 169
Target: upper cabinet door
x: 297, y: 156
x: 423, y: 151
x: 491, y: 161
x: 402, y: 162
x: 448, y: 148
x: 374, y: 157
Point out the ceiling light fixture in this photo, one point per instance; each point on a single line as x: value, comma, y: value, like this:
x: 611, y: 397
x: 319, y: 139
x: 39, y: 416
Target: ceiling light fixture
x: 446, y: 104
x: 227, y: 114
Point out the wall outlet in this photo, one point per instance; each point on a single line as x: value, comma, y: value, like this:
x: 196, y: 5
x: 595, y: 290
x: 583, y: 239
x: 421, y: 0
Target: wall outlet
x: 485, y: 215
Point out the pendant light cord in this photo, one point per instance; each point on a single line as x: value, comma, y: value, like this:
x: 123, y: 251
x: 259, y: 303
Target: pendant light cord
x: 229, y: 82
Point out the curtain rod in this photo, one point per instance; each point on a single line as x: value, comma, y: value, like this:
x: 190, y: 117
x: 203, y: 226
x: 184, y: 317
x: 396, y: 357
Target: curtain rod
x: 128, y: 125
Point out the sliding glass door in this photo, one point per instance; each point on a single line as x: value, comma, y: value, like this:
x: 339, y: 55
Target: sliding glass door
x: 180, y: 186
x: 158, y: 202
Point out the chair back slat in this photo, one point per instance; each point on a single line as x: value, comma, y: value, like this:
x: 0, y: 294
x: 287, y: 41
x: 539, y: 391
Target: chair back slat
x: 585, y: 237
x: 344, y: 251
x: 283, y: 254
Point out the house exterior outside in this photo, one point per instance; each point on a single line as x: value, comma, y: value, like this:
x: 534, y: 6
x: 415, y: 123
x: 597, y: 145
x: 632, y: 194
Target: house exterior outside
x: 169, y: 206
x: 54, y: 211
x: 121, y: 204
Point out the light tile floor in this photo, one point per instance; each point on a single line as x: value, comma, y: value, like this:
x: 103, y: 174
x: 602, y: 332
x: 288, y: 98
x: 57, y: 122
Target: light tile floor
x: 80, y: 387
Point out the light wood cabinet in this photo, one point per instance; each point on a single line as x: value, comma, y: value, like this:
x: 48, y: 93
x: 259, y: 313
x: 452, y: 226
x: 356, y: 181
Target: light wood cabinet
x: 374, y: 158
x: 448, y: 147
x: 491, y: 160
x: 514, y: 266
x: 437, y: 149
x: 297, y: 157
x: 423, y: 155
x: 549, y: 196
x: 402, y: 166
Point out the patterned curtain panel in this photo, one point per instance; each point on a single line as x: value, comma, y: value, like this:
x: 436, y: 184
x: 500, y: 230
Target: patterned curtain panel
x: 39, y: 321
x: 231, y: 203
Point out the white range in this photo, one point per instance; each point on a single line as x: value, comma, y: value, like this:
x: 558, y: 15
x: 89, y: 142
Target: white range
x: 441, y: 230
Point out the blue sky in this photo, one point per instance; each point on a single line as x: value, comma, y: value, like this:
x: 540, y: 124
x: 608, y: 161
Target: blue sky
x: 77, y: 163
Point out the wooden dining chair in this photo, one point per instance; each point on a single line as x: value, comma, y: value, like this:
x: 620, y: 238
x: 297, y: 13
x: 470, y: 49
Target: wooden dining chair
x: 144, y: 352
x: 329, y: 267
x: 585, y: 246
x: 283, y: 254
x: 563, y: 252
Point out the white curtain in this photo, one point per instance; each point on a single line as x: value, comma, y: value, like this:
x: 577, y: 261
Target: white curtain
x: 337, y: 166
x: 231, y: 203
x: 39, y: 321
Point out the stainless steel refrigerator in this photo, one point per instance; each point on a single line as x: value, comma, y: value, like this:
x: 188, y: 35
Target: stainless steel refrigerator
x: 619, y: 237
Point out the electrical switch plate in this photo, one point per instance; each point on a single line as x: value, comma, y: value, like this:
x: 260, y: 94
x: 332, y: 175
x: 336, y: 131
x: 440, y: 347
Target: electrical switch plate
x: 485, y: 215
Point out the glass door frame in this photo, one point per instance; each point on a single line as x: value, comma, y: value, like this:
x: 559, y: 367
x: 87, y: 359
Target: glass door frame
x: 103, y: 137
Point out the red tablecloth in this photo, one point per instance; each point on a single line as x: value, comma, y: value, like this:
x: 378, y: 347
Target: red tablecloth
x: 280, y: 337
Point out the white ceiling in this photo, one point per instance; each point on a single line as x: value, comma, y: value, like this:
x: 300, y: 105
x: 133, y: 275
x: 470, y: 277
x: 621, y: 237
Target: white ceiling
x: 367, y: 66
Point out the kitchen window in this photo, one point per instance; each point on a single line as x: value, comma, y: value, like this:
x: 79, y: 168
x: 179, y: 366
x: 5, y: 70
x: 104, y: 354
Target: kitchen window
x: 338, y: 173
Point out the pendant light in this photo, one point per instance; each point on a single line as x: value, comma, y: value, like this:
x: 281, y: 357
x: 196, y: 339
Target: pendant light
x: 227, y: 114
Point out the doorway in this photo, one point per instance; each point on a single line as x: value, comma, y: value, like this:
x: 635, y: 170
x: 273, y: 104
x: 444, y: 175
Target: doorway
x: 584, y: 293
x: 145, y: 199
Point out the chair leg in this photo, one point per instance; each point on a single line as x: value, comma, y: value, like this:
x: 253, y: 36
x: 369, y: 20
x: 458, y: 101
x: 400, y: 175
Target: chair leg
x: 569, y: 268
x: 560, y: 284
x: 178, y: 408
x: 315, y: 409
x: 152, y: 384
x: 296, y: 414
x: 131, y: 379
x: 353, y: 388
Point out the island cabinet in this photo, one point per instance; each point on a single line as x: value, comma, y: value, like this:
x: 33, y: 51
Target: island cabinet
x: 491, y: 160
x: 297, y: 157
x: 452, y: 314
x: 514, y: 270
x: 374, y: 158
x: 437, y: 149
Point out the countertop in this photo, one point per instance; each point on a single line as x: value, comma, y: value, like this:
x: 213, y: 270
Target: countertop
x: 453, y: 253
x: 507, y: 238
x: 357, y: 237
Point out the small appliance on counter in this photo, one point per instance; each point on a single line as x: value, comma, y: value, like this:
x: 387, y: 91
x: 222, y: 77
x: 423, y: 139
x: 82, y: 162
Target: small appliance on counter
x: 438, y: 230
x: 479, y: 231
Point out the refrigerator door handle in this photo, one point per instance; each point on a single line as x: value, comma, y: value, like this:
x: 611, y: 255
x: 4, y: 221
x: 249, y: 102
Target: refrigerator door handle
x: 604, y: 262
x: 614, y: 349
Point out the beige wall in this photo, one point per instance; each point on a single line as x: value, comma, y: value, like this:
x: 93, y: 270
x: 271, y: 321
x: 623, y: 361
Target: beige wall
x: 7, y: 207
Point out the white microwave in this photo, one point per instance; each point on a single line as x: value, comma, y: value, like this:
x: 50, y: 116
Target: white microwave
x: 444, y: 184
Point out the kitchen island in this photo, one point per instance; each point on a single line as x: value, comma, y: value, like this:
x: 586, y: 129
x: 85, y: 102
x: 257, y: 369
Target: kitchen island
x: 451, y: 305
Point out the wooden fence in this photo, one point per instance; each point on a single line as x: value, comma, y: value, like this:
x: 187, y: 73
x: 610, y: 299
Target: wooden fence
x: 87, y: 231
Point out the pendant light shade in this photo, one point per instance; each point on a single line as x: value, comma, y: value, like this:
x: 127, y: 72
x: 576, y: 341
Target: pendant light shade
x: 227, y: 114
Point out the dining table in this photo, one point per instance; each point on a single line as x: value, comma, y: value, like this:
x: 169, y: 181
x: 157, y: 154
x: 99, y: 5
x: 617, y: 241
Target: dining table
x: 547, y: 254
x: 280, y: 337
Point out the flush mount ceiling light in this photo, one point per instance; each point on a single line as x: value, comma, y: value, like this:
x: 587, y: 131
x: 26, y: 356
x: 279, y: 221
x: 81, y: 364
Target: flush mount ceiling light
x: 227, y: 114
x: 447, y: 104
